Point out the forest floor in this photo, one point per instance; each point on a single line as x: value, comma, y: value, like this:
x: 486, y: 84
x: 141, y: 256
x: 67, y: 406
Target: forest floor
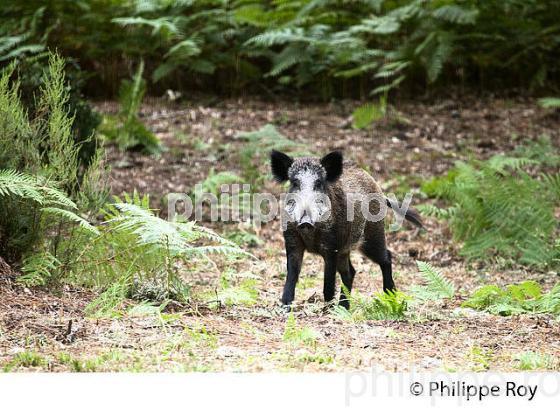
x: 43, y: 331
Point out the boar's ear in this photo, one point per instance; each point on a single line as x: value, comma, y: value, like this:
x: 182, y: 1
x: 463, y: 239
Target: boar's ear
x: 280, y: 163
x: 333, y: 165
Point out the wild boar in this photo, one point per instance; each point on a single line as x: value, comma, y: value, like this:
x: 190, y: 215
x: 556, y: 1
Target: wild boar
x: 325, y: 214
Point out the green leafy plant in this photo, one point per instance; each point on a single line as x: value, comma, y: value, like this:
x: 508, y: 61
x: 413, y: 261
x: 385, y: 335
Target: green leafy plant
x: 238, y: 289
x: 499, y: 208
x: 381, y: 306
x: 480, y: 358
x: 126, y: 128
x: 214, y: 181
x: 26, y: 359
x: 327, y: 47
x: 437, y: 286
x: 44, y: 188
x: 367, y: 114
x: 294, y: 334
x: 526, y: 297
x: 534, y: 361
x: 140, y: 255
x: 550, y: 102
x: 243, y: 237
x: 543, y: 151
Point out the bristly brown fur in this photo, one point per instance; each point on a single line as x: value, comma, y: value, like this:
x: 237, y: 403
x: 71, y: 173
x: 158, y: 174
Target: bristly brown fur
x: 336, y: 236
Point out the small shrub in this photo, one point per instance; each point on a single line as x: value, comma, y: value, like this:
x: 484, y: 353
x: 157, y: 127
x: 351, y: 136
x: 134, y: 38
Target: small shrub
x: 534, y: 361
x: 295, y: 334
x: 367, y: 114
x: 44, y: 186
x: 26, y: 359
x: 381, y: 306
x: 126, y: 129
x: 498, y: 208
x: 526, y: 297
x: 138, y: 254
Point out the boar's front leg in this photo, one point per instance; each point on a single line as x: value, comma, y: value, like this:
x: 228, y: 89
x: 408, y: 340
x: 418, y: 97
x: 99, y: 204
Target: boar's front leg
x: 294, y: 256
x: 329, y: 283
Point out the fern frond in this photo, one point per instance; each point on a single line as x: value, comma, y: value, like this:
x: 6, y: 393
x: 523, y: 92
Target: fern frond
x: 437, y: 284
x: 440, y: 55
x: 13, y: 183
x: 456, y: 14
x: 279, y: 37
x: 440, y: 213
x: 72, y: 217
x: 38, y: 269
x: 550, y: 102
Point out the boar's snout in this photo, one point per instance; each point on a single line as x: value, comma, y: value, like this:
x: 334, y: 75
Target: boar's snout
x: 305, y: 223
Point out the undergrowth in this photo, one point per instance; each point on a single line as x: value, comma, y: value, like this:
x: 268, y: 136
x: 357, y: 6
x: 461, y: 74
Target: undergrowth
x: 46, y: 191
x: 398, y: 305
x: 322, y: 48
x: 126, y: 128
x: 525, y: 297
x: 297, y: 335
x: 535, y: 361
x: 502, y: 208
x: 139, y: 255
x: 381, y: 306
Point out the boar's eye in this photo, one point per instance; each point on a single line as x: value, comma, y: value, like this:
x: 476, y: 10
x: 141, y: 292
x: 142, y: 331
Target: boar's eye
x: 318, y: 185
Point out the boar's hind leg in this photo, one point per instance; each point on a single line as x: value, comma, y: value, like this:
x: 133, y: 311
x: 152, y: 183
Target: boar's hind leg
x: 347, y: 273
x: 375, y: 249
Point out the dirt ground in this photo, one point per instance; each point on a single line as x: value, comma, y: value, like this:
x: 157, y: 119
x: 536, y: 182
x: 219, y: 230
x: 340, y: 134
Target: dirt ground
x: 422, y: 140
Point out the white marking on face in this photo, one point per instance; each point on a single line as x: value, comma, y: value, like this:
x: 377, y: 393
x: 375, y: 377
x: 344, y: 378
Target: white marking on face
x: 306, y: 200
x: 306, y: 179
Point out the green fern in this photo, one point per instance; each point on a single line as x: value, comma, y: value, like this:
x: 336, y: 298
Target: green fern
x: 65, y: 214
x: 214, y: 181
x: 295, y: 334
x: 44, y: 183
x: 365, y: 115
x: 550, y: 102
x: 238, y: 289
x: 143, y: 254
x: 525, y: 297
x: 38, y: 269
x: 456, y: 14
x: 14, y: 183
x: 52, y: 206
x: 381, y: 306
x: 126, y: 128
x: 498, y: 208
x: 437, y: 286
x: 258, y: 144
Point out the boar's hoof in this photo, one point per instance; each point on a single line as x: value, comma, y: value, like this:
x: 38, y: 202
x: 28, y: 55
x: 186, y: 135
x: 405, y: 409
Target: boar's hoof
x: 344, y: 303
